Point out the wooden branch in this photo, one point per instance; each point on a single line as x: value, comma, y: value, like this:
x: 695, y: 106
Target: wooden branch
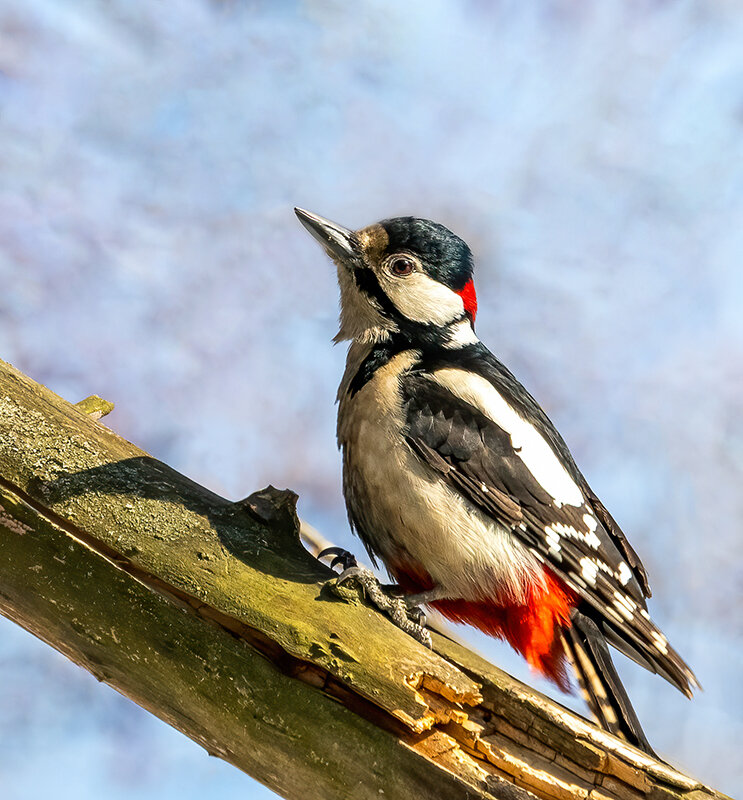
x: 212, y: 616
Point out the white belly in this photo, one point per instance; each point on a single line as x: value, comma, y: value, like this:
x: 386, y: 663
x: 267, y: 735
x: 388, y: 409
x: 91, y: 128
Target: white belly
x: 405, y: 510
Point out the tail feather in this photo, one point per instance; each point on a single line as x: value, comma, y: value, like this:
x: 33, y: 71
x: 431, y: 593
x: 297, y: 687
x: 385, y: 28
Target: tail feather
x: 586, y: 649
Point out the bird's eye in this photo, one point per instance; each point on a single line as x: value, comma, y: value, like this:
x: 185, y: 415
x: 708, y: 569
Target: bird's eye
x: 401, y: 266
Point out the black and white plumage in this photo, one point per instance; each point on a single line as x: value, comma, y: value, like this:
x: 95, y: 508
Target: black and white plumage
x: 456, y: 479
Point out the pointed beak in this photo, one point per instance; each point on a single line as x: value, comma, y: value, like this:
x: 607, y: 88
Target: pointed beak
x: 339, y: 242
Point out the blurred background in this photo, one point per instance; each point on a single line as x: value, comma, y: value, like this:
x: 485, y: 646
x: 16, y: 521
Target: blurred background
x: 591, y: 153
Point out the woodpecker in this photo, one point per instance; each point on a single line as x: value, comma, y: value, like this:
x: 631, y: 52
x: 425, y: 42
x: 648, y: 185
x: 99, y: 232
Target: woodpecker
x: 455, y: 478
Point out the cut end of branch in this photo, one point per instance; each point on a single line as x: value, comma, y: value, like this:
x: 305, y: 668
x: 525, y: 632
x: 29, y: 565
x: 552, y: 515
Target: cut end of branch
x: 95, y: 407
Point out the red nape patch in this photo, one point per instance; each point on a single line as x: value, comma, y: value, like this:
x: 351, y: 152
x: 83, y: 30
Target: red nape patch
x: 469, y: 298
x: 532, y: 628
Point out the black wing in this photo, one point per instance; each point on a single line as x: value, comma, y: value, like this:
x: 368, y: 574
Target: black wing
x: 579, y: 543
x: 480, y: 361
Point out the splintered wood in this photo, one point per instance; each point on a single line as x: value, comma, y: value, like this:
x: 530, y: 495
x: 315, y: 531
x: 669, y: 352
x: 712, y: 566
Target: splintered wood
x: 536, y: 744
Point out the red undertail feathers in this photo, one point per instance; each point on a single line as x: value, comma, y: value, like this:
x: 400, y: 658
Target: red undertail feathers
x: 532, y: 628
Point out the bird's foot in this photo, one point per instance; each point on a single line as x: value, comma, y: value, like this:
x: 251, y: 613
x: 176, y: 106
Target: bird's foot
x: 408, y: 618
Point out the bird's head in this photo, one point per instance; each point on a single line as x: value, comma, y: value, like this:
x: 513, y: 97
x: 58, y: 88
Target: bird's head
x: 404, y: 275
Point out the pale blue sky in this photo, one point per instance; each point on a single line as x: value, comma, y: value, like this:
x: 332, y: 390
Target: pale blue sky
x: 591, y: 153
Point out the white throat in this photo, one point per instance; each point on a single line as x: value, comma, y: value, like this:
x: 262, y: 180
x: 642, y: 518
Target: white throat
x: 361, y: 318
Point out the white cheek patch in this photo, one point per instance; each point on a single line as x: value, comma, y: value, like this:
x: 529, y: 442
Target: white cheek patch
x: 529, y: 444
x: 422, y: 299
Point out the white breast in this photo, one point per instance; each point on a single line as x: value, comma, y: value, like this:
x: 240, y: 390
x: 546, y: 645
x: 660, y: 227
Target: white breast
x: 404, y: 508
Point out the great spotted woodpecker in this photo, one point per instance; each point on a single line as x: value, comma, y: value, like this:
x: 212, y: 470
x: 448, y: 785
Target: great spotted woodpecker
x: 456, y: 479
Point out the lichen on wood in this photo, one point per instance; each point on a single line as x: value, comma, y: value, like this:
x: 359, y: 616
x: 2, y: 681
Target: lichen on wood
x: 95, y: 407
x: 213, y: 616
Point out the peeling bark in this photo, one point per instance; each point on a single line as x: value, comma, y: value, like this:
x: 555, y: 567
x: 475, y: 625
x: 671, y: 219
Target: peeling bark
x: 211, y: 615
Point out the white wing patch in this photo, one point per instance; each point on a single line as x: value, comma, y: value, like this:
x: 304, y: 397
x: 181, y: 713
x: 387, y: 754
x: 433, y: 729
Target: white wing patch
x: 529, y: 444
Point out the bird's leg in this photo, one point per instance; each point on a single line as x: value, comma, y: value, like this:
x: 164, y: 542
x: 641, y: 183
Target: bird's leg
x: 408, y: 617
x: 415, y: 601
x: 422, y: 598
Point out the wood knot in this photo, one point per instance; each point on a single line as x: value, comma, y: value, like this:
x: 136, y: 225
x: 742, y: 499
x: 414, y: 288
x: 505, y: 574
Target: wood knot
x: 272, y: 506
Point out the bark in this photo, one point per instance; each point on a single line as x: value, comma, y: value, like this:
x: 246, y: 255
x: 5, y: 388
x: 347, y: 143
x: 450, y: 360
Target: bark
x: 211, y: 615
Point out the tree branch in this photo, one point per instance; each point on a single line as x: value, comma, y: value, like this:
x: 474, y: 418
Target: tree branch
x: 212, y: 616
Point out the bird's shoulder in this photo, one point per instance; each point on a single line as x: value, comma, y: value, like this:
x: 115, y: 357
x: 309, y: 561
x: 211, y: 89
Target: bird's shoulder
x: 467, y: 409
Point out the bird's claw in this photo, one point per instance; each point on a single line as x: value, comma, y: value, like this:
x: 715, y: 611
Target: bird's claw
x: 409, y: 619
x: 341, y: 556
x: 417, y: 615
x: 349, y: 573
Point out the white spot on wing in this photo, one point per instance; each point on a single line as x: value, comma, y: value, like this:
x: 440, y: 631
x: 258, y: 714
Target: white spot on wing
x: 562, y: 530
x: 579, y: 581
x: 604, y: 567
x: 529, y: 444
x: 552, y: 538
x: 610, y: 612
x: 660, y: 641
x: 590, y: 538
x: 589, y: 570
x: 625, y: 605
x: 569, y: 531
x: 624, y: 573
